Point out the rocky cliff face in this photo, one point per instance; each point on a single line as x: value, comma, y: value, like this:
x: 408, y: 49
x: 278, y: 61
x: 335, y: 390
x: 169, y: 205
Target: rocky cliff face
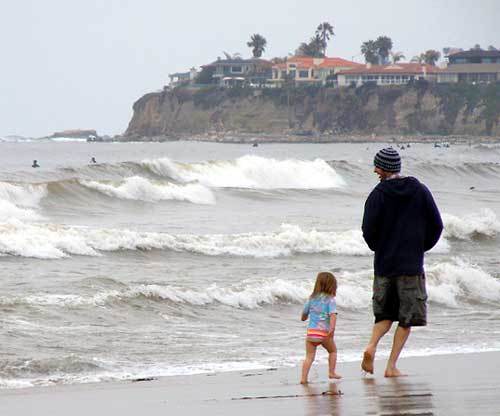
x: 420, y: 108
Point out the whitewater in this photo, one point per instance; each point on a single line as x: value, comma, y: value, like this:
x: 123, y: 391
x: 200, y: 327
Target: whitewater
x: 152, y: 261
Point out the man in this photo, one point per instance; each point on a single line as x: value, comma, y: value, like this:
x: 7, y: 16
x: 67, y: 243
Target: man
x: 400, y: 223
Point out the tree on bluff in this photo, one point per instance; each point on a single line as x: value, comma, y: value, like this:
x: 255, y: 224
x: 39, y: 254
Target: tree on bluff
x: 397, y: 56
x: 370, y: 51
x: 316, y: 47
x: 376, y: 52
x: 324, y: 31
x: 258, y: 44
x: 429, y: 57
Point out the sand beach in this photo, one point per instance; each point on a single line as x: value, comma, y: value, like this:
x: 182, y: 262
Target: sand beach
x: 461, y: 384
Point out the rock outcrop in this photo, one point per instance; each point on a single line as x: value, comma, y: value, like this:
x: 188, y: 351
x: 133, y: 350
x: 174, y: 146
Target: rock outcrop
x: 74, y: 134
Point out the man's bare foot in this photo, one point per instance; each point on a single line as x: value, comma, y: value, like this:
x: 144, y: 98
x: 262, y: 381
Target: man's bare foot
x: 334, y: 375
x: 303, y: 382
x: 393, y: 372
x: 367, y: 363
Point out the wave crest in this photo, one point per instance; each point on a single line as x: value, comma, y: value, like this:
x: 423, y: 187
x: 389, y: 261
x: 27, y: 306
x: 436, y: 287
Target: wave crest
x: 142, y: 189
x: 484, y: 223
x: 19, y: 201
x: 251, y: 172
x: 54, y: 241
x: 457, y: 282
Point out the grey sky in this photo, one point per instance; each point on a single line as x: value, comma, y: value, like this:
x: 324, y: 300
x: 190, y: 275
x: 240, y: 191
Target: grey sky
x: 82, y: 63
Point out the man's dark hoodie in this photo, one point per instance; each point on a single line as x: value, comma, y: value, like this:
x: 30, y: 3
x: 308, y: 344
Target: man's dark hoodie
x: 401, y: 221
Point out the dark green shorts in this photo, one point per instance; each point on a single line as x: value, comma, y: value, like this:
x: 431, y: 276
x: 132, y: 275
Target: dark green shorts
x: 401, y: 298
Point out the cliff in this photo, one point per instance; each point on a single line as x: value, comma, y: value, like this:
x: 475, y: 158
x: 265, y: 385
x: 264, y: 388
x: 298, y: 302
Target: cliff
x: 419, y: 108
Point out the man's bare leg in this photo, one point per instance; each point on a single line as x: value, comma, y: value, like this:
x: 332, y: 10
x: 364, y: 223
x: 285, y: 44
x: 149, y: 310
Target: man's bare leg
x: 400, y: 337
x: 379, y: 330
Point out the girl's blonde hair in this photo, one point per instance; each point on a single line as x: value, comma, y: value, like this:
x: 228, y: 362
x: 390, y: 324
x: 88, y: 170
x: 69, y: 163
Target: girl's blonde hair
x: 325, y: 283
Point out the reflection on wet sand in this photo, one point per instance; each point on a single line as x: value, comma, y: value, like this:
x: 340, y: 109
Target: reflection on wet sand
x: 322, y: 400
x: 397, y: 396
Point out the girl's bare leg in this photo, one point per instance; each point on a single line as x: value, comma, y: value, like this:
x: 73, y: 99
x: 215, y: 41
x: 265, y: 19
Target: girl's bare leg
x: 329, y: 345
x: 306, y: 366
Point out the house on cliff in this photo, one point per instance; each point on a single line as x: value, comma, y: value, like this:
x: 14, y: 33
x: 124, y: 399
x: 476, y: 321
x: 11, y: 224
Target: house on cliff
x: 182, y: 78
x: 400, y: 73
x: 238, y: 71
x: 306, y: 70
x: 473, y: 66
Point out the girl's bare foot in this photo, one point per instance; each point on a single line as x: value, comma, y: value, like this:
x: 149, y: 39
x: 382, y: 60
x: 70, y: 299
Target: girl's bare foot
x: 367, y: 363
x: 393, y: 372
x: 334, y: 375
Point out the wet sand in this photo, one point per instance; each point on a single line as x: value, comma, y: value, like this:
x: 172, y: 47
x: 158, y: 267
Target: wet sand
x: 461, y: 384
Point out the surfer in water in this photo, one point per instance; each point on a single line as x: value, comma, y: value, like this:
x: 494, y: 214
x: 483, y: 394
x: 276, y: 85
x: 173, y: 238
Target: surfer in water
x: 92, y: 160
x: 35, y: 164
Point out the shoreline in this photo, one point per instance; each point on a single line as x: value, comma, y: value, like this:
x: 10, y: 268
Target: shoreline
x: 263, y: 138
x: 435, y: 385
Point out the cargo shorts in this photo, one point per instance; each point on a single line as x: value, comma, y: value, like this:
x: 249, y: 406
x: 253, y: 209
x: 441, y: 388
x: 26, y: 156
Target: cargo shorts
x: 400, y: 298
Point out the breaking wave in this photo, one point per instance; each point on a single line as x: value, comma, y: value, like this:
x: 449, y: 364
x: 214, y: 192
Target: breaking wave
x: 19, y: 201
x: 482, y: 224
x: 142, y: 189
x: 458, y: 282
x: 246, y: 296
x: 252, y: 172
x: 451, y: 283
x: 355, y: 294
x: 48, y: 241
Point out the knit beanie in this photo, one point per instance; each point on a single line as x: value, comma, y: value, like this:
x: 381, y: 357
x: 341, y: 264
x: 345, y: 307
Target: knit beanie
x: 388, y: 159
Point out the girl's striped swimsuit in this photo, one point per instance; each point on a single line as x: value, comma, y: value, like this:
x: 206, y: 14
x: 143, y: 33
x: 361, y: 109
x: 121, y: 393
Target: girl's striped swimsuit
x: 319, y: 310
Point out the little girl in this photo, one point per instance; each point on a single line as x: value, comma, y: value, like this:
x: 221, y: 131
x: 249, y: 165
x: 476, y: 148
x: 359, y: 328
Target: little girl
x: 322, y: 312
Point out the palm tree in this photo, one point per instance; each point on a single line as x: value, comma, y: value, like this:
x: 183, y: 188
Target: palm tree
x: 370, y: 50
x: 258, y: 44
x: 314, y: 48
x: 431, y: 56
x: 324, y: 31
x: 396, y: 57
x: 384, y: 46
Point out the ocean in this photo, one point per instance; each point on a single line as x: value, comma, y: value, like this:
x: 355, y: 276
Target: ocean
x: 185, y: 257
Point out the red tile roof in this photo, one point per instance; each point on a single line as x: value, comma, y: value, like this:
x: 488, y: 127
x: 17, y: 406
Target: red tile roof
x: 399, y: 68
x: 330, y: 62
x: 310, y: 62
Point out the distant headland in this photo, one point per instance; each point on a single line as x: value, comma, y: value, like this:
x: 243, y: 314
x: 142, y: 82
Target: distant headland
x: 311, y: 97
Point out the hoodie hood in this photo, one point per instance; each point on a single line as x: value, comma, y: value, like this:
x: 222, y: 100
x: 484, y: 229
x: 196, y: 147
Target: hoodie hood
x: 399, y: 187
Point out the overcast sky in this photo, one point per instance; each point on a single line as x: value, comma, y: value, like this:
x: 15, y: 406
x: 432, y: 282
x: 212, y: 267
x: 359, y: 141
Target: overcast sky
x: 82, y: 63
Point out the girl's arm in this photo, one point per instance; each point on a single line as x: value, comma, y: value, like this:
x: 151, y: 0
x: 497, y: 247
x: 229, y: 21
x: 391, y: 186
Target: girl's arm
x: 333, y: 322
x: 305, y: 311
